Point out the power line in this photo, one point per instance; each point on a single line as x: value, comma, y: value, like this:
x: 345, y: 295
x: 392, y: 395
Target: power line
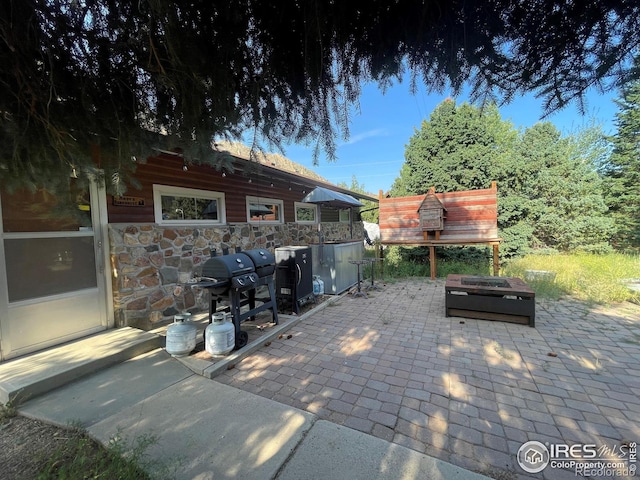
x: 365, y: 176
x: 364, y: 163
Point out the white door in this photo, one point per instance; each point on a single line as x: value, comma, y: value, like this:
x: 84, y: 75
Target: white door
x: 52, y: 282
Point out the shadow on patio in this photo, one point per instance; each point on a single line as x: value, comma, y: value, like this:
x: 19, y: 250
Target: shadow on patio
x: 466, y: 391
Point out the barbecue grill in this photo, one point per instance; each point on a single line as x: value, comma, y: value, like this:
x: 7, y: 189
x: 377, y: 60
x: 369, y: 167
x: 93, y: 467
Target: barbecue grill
x: 234, y: 278
x: 294, y: 277
x: 263, y: 261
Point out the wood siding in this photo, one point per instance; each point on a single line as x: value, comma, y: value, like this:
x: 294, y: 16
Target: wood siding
x: 471, y: 216
x: 167, y: 170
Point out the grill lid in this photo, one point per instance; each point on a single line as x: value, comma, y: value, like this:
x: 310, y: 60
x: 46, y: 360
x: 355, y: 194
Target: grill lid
x: 264, y: 261
x: 227, y: 266
x: 261, y: 257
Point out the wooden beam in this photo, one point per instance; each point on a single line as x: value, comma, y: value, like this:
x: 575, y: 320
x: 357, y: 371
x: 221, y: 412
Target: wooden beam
x: 496, y: 260
x: 432, y: 262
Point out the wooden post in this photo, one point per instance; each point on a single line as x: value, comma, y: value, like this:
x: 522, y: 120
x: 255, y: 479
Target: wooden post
x: 432, y: 261
x: 496, y: 260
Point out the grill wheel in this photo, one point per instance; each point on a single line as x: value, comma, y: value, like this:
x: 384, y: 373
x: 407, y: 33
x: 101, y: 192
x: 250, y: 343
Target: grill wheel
x: 241, y: 339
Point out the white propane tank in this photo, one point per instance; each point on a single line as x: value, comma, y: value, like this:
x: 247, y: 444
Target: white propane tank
x: 318, y: 286
x: 181, y: 336
x: 220, y: 335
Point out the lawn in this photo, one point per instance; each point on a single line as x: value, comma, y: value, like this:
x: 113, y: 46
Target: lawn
x: 588, y: 277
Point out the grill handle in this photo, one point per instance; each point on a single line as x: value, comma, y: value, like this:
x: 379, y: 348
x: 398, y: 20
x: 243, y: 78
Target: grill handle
x: 299, y: 274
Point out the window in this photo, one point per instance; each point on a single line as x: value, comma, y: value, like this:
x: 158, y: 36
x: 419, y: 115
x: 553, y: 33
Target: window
x: 41, y: 211
x: 345, y: 216
x: 264, y: 210
x: 306, y: 213
x: 177, y: 206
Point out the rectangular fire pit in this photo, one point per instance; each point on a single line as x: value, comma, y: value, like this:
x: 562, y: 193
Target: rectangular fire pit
x: 506, y: 299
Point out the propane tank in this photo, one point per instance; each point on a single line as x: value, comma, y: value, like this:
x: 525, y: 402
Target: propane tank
x: 318, y: 285
x: 181, y: 336
x: 220, y: 335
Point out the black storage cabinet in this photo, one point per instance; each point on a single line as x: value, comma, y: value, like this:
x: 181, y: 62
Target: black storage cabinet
x: 294, y: 279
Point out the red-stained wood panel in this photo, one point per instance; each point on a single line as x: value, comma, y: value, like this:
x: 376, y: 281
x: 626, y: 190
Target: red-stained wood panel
x: 470, y: 216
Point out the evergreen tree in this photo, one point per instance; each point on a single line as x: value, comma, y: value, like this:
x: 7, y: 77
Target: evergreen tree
x: 549, y: 190
x: 622, y: 173
x: 80, y: 74
x: 563, y: 189
x: 455, y: 150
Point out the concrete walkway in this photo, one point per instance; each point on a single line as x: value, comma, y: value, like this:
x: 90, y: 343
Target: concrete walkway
x: 469, y: 392
x: 201, y: 429
x: 32, y: 375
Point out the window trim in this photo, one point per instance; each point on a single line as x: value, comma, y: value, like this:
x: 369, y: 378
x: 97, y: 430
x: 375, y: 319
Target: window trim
x: 265, y: 200
x: 160, y: 190
x: 297, y: 205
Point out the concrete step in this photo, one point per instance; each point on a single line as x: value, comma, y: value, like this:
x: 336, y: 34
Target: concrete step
x: 27, y: 377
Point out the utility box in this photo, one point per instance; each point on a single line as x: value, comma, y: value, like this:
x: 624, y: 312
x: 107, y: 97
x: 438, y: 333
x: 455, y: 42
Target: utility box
x: 432, y: 215
x: 331, y: 264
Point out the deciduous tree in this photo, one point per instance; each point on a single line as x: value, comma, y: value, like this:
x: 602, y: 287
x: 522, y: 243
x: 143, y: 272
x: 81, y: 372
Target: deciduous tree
x: 369, y: 212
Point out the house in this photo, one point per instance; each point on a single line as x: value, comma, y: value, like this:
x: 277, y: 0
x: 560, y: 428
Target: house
x: 533, y: 456
x: 127, y: 261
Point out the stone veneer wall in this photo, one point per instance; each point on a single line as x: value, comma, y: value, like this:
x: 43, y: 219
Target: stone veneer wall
x: 152, y: 264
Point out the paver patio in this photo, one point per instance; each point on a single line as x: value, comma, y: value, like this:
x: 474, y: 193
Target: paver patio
x: 469, y: 392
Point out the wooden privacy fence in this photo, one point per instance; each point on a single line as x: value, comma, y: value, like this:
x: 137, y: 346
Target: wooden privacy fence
x: 467, y: 218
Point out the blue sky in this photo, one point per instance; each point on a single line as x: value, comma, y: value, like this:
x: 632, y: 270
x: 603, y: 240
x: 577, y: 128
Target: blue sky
x: 379, y: 132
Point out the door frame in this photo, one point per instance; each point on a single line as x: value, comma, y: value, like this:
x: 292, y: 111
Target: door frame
x: 101, y: 249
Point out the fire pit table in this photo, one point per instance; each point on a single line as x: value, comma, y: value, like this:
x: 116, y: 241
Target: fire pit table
x: 506, y: 299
